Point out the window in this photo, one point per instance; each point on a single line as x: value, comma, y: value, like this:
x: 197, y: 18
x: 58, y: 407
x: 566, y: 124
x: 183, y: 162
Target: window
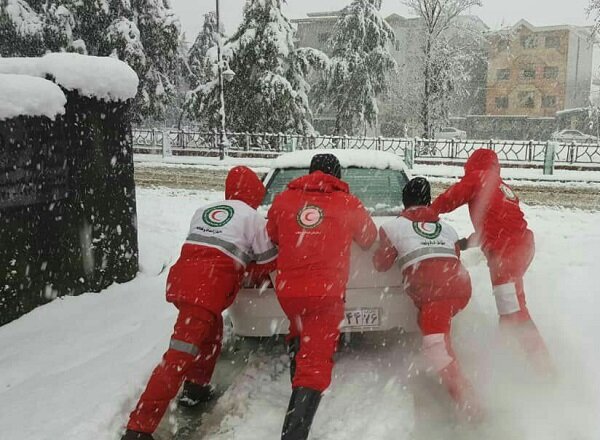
x: 553, y: 42
x: 550, y: 72
x: 323, y: 37
x: 503, y: 74
x: 528, y: 72
x: 502, y: 102
x: 379, y: 190
x: 549, y: 101
x: 502, y: 45
x: 529, y: 42
x: 397, y: 45
x: 527, y: 100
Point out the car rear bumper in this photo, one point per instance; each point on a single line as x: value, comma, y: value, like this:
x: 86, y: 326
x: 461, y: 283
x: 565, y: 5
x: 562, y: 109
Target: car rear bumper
x: 257, y: 312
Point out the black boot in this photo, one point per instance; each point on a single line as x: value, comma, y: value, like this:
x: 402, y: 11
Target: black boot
x: 293, y: 347
x: 301, y: 411
x: 194, y: 394
x: 134, y: 435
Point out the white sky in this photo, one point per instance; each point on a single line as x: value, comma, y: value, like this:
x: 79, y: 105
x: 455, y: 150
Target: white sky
x: 494, y: 13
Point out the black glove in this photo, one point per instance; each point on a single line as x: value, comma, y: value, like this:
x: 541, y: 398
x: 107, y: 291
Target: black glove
x: 463, y: 244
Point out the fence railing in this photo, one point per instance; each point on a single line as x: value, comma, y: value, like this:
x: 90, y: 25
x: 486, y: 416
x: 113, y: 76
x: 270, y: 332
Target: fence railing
x: 531, y: 153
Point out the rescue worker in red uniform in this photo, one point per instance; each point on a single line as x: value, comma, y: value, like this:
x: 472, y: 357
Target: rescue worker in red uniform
x: 426, y: 253
x: 506, y: 241
x: 224, y: 239
x: 313, y: 223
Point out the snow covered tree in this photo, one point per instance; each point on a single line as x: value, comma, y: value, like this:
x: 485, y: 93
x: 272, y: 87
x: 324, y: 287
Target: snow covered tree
x: 21, y: 29
x: 360, y: 66
x: 143, y: 33
x: 200, y: 65
x: 269, y: 92
x: 445, y: 56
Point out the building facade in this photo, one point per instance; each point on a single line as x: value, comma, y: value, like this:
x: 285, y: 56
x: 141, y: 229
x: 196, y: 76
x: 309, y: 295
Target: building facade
x: 538, y: 71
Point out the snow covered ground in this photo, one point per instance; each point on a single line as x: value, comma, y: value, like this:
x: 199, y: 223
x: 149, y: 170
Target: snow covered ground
x: 74, y: 368
x: 263, y: 165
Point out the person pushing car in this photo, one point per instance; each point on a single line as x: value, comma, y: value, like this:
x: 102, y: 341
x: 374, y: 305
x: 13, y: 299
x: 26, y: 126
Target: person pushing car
x: 313, y: 223
x: 506, y: 241
x: 224, y: 239
x: 425, y: 250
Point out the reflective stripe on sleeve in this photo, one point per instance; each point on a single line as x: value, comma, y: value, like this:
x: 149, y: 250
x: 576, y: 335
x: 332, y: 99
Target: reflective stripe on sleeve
x: 425, y: 253
x: 184, y: 347
x: 266, y: 256
x: 227, y: 247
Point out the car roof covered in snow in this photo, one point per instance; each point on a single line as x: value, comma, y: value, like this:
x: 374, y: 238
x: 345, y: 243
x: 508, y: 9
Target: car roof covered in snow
x: 22, y: 95
x: 103, y: 78
x: 348, y: 158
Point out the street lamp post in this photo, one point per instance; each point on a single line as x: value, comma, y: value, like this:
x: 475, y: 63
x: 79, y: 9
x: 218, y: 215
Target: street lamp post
x: 227, y: 74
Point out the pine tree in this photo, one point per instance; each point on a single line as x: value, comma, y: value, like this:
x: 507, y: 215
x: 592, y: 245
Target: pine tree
x: 360, y: 66
x: 21, y: 29
x: 201, y: 67
x: 143, y: 33
x: 269, y: 92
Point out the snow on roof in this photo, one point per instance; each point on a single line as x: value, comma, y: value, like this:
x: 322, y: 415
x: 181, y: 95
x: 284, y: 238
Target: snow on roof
x: 103, y: 78
x: 23, y: 95
x: 348, y: 158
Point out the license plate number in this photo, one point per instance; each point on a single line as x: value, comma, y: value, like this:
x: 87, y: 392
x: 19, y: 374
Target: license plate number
x: 362, y: 318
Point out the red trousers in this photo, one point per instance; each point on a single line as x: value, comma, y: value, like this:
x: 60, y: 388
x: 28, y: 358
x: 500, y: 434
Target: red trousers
x: 507, y: 268
x: 316, y: 321
x: 192, y: 355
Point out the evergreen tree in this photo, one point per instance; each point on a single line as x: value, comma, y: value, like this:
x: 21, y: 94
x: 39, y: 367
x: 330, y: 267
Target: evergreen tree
x: 201, y: 67
x: 143, y: 33
x: 21, y: 29
x: 360, y: 66
x: 269, y: 92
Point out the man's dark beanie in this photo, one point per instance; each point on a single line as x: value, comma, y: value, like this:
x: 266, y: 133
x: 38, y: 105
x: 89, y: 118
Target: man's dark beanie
x: 327, y: 163
x: 417, y: 192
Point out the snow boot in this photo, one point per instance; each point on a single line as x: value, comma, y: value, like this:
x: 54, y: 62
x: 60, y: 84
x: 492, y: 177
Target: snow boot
x: 135, y: 435
x: 461, y: 391
x: 301, y: 411
x: 293, y: 347
x: 194, y: 394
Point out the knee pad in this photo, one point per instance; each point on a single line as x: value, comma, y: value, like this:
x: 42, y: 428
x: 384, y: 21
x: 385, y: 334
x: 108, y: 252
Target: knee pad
x: 435, y: 351
x: 507, y: 301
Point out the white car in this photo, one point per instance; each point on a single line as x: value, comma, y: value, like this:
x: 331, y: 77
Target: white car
x: 374, y: 301
x: 451, y: 133
x: 573, y: 136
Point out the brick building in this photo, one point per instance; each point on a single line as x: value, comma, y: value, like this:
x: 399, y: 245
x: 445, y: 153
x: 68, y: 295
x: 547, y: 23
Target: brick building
x: 537, y: 71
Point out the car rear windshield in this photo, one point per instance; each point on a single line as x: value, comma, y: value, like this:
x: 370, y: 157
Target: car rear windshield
x: 379, y: 190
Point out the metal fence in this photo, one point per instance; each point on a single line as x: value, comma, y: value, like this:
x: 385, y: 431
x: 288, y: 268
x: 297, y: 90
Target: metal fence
x: 531, y: 153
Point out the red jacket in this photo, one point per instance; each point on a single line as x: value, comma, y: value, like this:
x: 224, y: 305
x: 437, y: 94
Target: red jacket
x: 206, y: 276
x: 494, y: 208
x: 314, y: 223
x: 431, y: 279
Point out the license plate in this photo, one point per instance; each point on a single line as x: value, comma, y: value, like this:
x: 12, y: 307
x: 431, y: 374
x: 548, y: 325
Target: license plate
x: 362, y: 318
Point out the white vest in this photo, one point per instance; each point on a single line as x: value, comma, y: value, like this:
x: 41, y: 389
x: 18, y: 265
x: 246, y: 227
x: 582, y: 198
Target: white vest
x: 418, y: 241
x: 235, y: 229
